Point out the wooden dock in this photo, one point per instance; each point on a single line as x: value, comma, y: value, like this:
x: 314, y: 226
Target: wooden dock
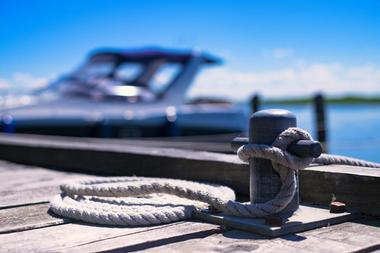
x: 38, y: 165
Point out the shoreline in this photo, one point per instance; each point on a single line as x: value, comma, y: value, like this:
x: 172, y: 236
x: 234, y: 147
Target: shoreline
x: 349, y: 100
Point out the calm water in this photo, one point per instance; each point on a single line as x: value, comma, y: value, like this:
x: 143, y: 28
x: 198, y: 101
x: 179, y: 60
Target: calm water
x: 353, y: 130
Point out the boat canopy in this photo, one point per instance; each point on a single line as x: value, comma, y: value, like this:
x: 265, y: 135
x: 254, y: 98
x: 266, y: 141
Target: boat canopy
x: 148, y: 54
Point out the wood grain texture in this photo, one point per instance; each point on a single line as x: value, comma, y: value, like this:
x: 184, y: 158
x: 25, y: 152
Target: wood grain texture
x: 112, y: 159
x: 150, y: 239
x: 26, y: 218
x: 334, y: 239
x: 358, y: 187
x: 25, y: 185
x: 352, y: 233
x: 188, y: 237
x: 88, y: 238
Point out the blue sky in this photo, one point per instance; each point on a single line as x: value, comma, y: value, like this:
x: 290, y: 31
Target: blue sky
x: 278, y: 48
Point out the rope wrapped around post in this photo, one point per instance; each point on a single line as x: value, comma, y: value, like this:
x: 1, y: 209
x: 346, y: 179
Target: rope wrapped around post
x: 136, y: 201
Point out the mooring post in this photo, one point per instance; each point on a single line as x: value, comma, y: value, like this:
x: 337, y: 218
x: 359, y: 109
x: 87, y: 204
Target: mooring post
x: 265, y: 183
x: 255, y: 103
x: 320, y: 120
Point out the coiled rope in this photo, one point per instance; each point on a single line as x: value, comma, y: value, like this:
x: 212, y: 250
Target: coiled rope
x: 137, y: 201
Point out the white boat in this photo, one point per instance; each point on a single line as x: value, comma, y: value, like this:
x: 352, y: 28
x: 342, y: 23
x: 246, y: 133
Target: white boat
x: 127, y: 93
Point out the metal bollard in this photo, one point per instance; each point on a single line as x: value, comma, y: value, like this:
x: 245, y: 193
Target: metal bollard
x: 265, y: 182
x: 264, y: 127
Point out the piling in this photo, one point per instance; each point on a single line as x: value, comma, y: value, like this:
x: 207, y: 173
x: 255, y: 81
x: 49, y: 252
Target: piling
x: 255, y: 103
x: 320, y: 120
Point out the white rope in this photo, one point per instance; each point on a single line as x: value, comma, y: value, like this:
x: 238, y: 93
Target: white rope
x: 326, y: 159
x: 136, y: 201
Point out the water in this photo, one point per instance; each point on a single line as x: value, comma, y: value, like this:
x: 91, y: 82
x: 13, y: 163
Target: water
x: 353, y: 130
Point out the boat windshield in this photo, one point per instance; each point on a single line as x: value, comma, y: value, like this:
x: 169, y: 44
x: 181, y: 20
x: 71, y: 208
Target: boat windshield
x: 96, y: 69
x: 104, y: 80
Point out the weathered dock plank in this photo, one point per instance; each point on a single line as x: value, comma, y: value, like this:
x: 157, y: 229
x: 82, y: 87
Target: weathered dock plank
x: 352, y: 233
x: 23, y: 190
x: 358, y: 187
x: 25, y: 185
x: 89, y: 238
x: 37, y: 195
x: 150, y: 239
x: 220, y: 144
x: 25, y: 176
x: 186, y: 236
x: 337, y: 238
x: 126, y: 160
x: 26, y: 218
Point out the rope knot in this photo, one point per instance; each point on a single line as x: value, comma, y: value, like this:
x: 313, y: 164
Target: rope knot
x: 277, y: 151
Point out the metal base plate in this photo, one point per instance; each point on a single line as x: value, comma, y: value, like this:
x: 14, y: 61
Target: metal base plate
x: 306, y: 218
